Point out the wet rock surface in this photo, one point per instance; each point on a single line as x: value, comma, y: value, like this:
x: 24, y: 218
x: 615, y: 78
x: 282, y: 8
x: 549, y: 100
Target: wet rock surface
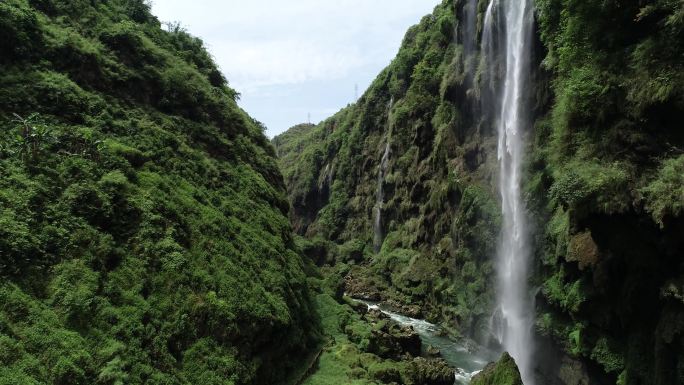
x: 432, y: 351
x: 362, y: 289
x: 413, y: 311
x: 390, y: 339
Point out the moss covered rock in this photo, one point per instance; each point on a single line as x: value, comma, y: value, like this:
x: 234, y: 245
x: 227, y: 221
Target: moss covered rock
x: 390, y: 339
x: 432, y: 371
x: 503, y: 372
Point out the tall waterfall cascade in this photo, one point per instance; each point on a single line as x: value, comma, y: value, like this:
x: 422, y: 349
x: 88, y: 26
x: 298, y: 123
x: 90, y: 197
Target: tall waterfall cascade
x: 469, y: 39
x: 507, y: 44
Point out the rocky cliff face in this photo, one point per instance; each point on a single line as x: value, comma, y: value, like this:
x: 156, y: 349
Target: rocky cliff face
x: 437, y: 221
x: 606, y: 174
x: 604, y: 184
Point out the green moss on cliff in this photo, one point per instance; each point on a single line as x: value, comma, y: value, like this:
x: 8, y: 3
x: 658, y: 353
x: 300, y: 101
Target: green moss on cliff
x: 143, y: 230
x: 664, y: 195
x: 610, y: 159
x: 503, y: 372
x: 603, y: 181
x: 440, y: 216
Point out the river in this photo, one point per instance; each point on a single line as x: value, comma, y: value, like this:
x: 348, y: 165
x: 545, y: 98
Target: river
x: 466, y: 360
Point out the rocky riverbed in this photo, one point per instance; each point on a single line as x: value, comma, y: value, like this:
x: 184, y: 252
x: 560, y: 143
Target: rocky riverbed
x: 463, y: 359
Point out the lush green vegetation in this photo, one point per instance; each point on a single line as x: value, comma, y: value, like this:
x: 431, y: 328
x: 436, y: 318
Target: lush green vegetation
x: 440, y: 217
x: 361, y: 347
x: 603, y: 184
x: 608, y: 172
x: 144, y: 233
x: 504, y: 372
x: 143, y: 223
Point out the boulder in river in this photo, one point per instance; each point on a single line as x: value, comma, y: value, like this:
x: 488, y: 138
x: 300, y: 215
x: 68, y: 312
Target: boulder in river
x: 389, y: 339
x: 504, y: 372
x: 431, y: 351
x: 413, y: 311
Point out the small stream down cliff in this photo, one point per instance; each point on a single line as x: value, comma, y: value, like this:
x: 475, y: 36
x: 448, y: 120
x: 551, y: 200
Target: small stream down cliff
x: 380, y: 199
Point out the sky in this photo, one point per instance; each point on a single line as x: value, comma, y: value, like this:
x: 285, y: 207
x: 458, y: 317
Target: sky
x: 292, y: 59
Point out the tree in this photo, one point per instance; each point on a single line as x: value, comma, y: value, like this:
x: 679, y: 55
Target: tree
x: 33, y: 135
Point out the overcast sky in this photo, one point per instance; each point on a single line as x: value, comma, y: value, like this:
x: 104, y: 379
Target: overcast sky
x: 292, y: 58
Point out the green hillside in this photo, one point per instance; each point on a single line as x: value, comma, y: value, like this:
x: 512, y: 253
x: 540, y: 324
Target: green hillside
x: 151, y: 234
x: 603, y: 184
x: 143, y: 223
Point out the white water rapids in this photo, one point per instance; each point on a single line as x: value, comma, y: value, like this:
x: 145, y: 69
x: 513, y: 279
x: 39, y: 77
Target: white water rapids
x: 466, y: 361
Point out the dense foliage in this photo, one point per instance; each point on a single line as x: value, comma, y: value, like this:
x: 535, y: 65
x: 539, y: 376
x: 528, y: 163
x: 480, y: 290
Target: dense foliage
x: 144, y: 235
x: 143, y: 222
x: 504, y: 372
x: 363, y: 346
x: 440, y: 216
x: 608, y: 181
x: 604, y: 184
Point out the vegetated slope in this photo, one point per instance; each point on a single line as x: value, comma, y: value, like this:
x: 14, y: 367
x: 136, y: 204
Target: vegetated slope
x: 604, y: 184
x: 440, y: 217
x: 607, y: 184
x: 143, y: 223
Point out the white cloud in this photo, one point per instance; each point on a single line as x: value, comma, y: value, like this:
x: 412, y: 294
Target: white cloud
x: 254, y: 64
x: 264, y: 43
x: 270, y: 46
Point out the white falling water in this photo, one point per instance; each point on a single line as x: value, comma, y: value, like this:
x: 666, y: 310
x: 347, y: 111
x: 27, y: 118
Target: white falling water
x: 470, y: 26
x: 513, y: 41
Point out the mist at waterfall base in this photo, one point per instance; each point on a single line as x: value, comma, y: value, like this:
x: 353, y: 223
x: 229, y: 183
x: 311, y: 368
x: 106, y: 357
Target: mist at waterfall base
x: 507, y: 39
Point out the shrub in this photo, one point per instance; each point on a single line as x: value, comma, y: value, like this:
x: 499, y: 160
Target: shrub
x: 664, y: 195
x: 606, y: 353
x: 73, y: 290
x: 19, y: 29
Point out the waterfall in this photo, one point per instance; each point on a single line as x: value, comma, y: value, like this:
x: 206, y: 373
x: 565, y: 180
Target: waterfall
x: 507, y: 43
x: 469, y: 39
